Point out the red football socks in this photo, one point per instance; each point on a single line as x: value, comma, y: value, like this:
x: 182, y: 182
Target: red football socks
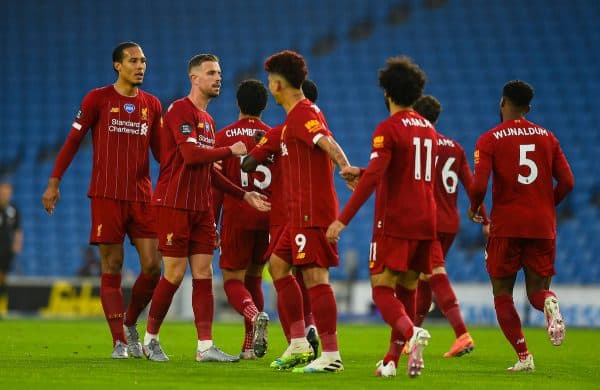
x: 254, y: 286
x: 325, y: 313
x: 408, y: 299
x: 240, y: 299
x: 289, y: 303
x: 537, y: 298
x: 392, y: 311
x: 111, y: 297
x: 423, y: 302
x: 141, y: 294
x: 510, y: 323
x: 308, y: 315
x: 161, y: 301
x: 203, y: 305
x: 445, y: 297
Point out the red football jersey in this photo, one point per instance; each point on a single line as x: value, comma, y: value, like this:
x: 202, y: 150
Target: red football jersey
x: 236, y: 212
x: 451, y: 166
x: 524, y: 159
x: 181, y: 186
x: 123, y: 129
x: 402, y: 173
x: 268, y: 152
x: 306, y: 169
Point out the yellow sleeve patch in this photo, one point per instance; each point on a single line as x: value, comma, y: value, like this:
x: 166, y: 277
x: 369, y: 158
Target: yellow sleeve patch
x: 476, y: 156
x: 263, y: 141
x: 313, y: 126
x: 378, y: 142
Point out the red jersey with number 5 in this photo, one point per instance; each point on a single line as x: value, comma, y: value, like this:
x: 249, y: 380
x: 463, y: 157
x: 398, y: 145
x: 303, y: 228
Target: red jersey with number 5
x: 524, y: 158
x: 237, y: 212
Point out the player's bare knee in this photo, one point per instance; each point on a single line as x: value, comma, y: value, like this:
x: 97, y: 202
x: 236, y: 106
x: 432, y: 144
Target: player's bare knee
x: 112, y: 265
x: 151, y: 269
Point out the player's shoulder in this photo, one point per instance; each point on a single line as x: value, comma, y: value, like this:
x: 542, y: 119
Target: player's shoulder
x: 178, y: 106
x: 98, y: 94
x: 148, y: 96
x: 305, y: 109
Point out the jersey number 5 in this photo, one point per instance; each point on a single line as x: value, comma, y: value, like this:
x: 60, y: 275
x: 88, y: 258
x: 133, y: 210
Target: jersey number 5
x: 523, y: 160
x: 262, y: 184
x: 428, y: 144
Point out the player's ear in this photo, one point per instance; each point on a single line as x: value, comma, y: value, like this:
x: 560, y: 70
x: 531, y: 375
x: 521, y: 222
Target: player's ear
x: 116, y: 66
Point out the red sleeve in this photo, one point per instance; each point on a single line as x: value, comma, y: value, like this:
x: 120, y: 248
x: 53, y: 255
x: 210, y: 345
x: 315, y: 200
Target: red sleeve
x: 309, y: 126
x: 483, y: 168
x: 466, y: 178
x: 381, y: 155
x: 193, y: 154
x: 86, y: 118
x: 561, y: 171
x: 224, y: 184
x: 217, y: 203
x: 156, y: 130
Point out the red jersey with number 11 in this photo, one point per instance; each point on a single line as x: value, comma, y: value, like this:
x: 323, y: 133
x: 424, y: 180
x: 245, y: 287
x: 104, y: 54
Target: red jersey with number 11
x: 402, y: 173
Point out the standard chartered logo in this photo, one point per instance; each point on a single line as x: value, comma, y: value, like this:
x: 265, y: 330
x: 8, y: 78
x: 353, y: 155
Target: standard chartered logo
x: 128, y: 127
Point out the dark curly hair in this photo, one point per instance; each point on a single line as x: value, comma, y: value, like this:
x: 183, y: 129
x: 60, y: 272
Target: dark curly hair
x: 402, y: 80
x: 518, y: 92
x: 428, y: 107
x: 288, y: 64
x: 252, y: 97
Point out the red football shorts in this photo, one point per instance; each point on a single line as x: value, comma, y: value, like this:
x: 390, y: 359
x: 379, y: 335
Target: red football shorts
x: 182, y: 233
x: 506, y: 256
x: 240, y: 248
x: 306, y: 246
x: 275, y: 232
x: 440, y: 249
x: 400, y: 255
x: 113, y: 218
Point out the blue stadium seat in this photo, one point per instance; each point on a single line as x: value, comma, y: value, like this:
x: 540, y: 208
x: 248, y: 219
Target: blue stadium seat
x: 465, y: 50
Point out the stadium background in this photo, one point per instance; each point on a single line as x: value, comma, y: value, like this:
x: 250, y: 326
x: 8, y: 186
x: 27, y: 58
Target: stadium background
x: 55, y: 51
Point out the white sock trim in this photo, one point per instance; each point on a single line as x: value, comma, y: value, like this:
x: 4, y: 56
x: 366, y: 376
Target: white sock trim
x: 149, y: 337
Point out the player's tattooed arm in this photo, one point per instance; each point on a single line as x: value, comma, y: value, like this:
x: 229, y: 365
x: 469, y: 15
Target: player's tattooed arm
x: 336, y: 153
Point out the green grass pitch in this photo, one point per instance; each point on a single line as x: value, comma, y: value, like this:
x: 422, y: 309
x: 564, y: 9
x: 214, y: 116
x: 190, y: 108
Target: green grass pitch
x: 44, y: 354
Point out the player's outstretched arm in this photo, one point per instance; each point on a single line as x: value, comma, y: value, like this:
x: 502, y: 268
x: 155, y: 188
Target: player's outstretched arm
x: 51, y: 196
x: 565, y: 181
x: 335, y: 152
